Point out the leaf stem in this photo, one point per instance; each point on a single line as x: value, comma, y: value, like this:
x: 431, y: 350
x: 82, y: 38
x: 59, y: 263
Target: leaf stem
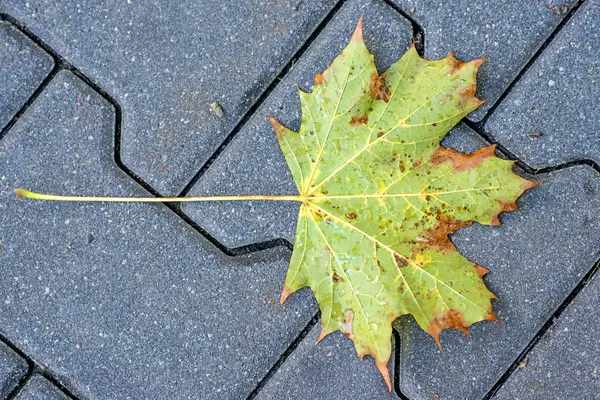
x: 51, y: 197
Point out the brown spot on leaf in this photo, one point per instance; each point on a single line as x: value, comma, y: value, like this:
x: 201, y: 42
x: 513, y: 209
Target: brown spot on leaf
x: 319, y: 79
x: 402, y: 167
x: 351, y: 216
x: 359, y: 120
x: 377, y: 87
x: 479, y: 270
x: 400, y: 261
x: 347, y: 327
x: 438, y: 238
x: 336, y: 278
x: 453, y: 64
x: 449, y: 319
x: 469, y: 91
x: 461, y: 161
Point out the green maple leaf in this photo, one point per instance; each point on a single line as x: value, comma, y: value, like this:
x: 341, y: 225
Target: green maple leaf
x: 380, y: 196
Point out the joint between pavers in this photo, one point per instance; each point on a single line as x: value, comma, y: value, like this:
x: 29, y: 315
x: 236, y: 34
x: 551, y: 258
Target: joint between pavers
x: 293, y: 346
x: 33, y: 368
x: 481, y: 124
x: 418, y: 31
x: 549, y: 323
x: 520, y: 163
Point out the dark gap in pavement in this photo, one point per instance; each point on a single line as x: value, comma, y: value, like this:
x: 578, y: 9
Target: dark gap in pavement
x: 419, y: 38
x: 481, y: 124
x: 33, y: 368
x: 293, y: 346
x: 418, y: 31
x: 549, y: 323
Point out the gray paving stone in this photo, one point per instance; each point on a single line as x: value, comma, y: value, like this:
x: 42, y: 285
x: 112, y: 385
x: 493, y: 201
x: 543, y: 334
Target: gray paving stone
x: 327, y: 370
x: 508, y: 32
x: 126, y: 301
x: 536, y: 258
x: 551, y: 115
x: 565, y: 364
x: 167, y: 62
x: 39, y: 388
x: 253, y: 163
x: 12, y: 369
x: 23, y: 66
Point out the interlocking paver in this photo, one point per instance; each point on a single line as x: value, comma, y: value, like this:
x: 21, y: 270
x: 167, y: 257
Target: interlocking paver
x: 566, y: 362
x: 253, y: 163
x: 551, y: 115
x: 167, y: 62
x: 508, y: 32
x: 39, y: 388
x: 328, y: 370
x: 12, y: 369
x: 23, y: 66
x: 536, y: 258
x: 126, y: 301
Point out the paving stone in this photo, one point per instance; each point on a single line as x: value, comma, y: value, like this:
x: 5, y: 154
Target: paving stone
x: 126, y: 300
x: 12, y: 369
x: 508, y: 32
x: 565, y: 364
x: 253, y: 163
x: 23, y: 67
x: 536, y: 258
x: 551, y: 115
x: 39, y: 388
x: 167, y: 62
x: 327, y: 370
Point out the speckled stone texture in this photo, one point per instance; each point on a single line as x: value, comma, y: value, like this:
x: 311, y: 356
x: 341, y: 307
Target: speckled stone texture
x: 125, y: 300
x: 129, y: 301
x: 253, y: 162
x: 327, y: 370
x: 551, y: 117
x: 566, y: 362
x: 39, y: 388
x: 166, y: 62
x: 12, y: 369
x: 23, y: 66
x: 509, y: 32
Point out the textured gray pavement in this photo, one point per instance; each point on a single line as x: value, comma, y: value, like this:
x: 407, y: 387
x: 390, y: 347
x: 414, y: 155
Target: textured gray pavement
x: 23, y: 66
x: 39, y: 388
x: 566, y: 362
x: 130, y: 301
x: 166, y: 62
x: 12, y: 369
x: 311, y: 369
x: 551, y: 116
x: 126, y: 301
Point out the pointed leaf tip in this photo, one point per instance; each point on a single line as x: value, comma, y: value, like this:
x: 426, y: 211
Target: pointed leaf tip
x: 276, y: 126
x: 322, y: 335
x: 285, y: 293
x: 357, y: 36
x: 383, y: 370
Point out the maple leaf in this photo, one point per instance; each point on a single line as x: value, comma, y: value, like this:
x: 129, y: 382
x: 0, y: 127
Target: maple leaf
x: 380, y: 196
